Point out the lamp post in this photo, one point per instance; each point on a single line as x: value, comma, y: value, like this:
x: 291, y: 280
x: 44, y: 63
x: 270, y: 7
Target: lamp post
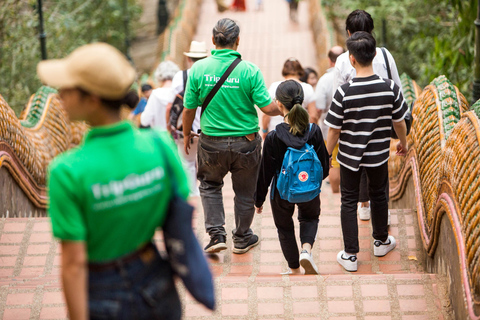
x: 42, y: 35
x: 384, y: 31
x: 126, y: 21
x: 476, y: 81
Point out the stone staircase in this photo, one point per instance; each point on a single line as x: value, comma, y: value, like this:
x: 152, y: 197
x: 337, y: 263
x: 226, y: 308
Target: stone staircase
x: 250, y: 286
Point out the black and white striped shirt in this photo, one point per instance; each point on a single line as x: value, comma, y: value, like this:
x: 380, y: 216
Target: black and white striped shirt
x: 364, y: 109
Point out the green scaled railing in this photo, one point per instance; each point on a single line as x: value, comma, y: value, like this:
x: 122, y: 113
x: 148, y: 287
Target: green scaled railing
x: 449, y: 103
x: 38, y: 106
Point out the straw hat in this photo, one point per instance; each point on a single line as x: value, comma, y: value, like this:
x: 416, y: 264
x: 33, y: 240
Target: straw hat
x: 97, y: 68
x: 197, y: 50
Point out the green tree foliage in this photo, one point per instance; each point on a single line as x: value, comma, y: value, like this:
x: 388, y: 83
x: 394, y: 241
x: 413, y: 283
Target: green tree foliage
x: 427, y: 38
x: 68, y: 24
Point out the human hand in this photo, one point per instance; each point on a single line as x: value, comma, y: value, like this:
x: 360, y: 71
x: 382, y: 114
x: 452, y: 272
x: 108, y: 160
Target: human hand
x: 186, y: 143
x: 187, y: 139
x: 401, y: 149
x: 330, y: 162
x: 259, y: 209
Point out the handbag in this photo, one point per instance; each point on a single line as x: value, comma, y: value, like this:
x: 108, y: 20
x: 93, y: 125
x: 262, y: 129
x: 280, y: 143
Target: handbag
x: 184, y: 252
x: 408, y: 115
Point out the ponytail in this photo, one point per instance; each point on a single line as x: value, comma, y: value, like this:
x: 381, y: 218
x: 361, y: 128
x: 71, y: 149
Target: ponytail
x: 130, y: 100
x: 290, y: 94
x: 298, y: 119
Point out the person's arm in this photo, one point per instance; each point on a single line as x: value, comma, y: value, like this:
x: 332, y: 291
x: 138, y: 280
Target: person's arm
x: 167, y: 116
x: 271, y: 109
x: 266, y: 171
x: 334, y: 120
x: 68, y: 225
x: 261, y: 96
x: 321, y: 151
x: 394, y: 71
x: 191, y: 102
x: 148, y: 115
x: 401, y: 131
x: 399, y: 110
x: 265, y: 125
x: 74, y: 279
x: 187, y: 122
x: 332, y: 139
x: 312, y: 112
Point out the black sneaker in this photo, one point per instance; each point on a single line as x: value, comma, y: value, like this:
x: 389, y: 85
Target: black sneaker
x: 251, y: 243
x: 217, y: 244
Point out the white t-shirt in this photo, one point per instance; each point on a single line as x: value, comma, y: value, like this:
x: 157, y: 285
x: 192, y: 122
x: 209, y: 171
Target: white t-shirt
x: 323, y: 93
x: 308, y: 97
x: 345, y: 72
x: 154, y: 114
x: 177, y: 87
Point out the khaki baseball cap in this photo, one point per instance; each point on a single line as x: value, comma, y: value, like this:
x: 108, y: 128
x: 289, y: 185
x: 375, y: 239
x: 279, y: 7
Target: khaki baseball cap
x: 97, y: 68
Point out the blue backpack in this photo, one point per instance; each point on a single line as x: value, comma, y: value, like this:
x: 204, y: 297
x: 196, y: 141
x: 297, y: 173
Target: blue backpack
x: 301, y: 175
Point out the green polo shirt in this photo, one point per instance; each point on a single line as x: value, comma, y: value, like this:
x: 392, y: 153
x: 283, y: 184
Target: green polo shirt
x: 113, y: 190
x: 232, y: 110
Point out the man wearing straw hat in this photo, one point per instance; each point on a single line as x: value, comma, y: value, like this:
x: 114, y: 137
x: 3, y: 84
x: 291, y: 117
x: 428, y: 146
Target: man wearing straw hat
x: 198, y: 51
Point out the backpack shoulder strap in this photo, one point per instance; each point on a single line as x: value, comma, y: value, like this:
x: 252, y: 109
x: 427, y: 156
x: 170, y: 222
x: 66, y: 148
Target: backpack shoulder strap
x: 219, y: 84
x: 387, y: 63
x: 185, y: 78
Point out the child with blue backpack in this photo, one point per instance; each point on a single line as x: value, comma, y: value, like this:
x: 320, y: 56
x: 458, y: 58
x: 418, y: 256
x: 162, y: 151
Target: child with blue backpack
x: 296, y: 159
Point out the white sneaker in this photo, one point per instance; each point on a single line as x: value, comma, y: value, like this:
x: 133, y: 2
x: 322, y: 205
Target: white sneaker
x: 380, y: 248
x: 349, y: 264
x: 388, y: 222
x: 306, y: 261
x: 364, y: 213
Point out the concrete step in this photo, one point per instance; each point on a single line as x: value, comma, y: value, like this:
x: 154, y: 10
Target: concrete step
x: 352, y: 296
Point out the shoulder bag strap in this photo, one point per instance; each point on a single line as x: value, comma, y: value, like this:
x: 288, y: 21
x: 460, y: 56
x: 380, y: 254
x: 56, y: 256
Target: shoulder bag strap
x: 219, y: 84
x: 185, y: 78
x: 386, y: 63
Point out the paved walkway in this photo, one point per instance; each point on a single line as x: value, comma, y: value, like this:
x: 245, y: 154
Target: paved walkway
x: 250, y: 286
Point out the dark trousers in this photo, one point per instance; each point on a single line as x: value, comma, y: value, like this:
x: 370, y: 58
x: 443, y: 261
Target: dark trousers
x: 308, y: 213
x: 216, y: 157
x: 138, y: 289
x: 363, y: 197
x: 350, y: 185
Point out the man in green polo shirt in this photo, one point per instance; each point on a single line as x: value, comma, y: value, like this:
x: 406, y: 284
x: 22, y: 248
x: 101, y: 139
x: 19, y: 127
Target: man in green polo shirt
x: 229, y: 141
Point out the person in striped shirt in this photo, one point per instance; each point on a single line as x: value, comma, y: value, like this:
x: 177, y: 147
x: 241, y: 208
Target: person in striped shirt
x: 360, y: 119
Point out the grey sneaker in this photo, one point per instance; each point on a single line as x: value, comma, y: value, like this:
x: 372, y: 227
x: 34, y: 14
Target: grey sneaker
x: 306, y: 261
x: 251, y: 243
x: 217, y: 244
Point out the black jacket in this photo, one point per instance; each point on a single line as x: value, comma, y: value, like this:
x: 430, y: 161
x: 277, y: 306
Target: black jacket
x: 274, y: 149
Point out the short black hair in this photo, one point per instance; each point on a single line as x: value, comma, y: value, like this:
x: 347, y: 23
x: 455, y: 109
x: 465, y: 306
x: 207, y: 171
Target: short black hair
x: 146, y: 87
x: 363, y: 47
x: 359, y: 20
